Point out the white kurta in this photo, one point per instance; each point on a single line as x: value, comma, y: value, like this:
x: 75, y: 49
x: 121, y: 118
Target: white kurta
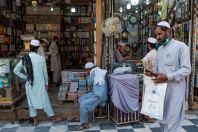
x: 173, y: 60
x: 55, y: 61
x: 149, y: 60
x: 37, y: 95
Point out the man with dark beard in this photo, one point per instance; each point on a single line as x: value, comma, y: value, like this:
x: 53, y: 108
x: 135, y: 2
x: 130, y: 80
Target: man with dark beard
x: 172, y: 65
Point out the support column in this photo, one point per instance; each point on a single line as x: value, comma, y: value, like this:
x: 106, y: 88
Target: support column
x: 98, y: 31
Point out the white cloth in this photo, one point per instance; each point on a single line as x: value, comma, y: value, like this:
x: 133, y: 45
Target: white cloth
x: 121, y: 44
x: 164, y: 24
x: 153, y: 100
x: 99, y: 76
x: 149, y: 60
x: 34, y: 42
x: 89, y: 65
x: 152, y: 40
x: 122, y: 70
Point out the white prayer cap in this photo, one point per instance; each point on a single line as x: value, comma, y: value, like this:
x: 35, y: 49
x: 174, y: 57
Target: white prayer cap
x: 164, y: 24
x: 121, y: 44
x: 35, y: 42
x: 45, y: 40
x: 152, y: 40
x: 89, y: 65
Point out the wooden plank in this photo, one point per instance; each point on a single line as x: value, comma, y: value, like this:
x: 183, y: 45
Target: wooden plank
x: 98, y: 31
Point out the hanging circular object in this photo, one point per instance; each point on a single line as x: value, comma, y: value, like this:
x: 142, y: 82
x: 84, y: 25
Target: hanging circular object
x: 133, y: 19
x: 116, y: 36
x: 127, y: 48
x: 125, y: 34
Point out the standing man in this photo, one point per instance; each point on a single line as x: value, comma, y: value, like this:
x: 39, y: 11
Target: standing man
x: 55, y: 60
x: 43, y: 44
x: 149, y: 59
x: 148, y: 62
x: 172, y: 66
x: 36, y: 81
x: 88, y: 102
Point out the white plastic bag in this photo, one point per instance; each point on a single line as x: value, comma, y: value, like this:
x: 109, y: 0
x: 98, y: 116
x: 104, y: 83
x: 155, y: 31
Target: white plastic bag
x: 153, y: 100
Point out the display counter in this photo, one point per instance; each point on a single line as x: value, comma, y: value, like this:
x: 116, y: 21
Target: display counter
x: 124, y: 98
x: 12, y: 90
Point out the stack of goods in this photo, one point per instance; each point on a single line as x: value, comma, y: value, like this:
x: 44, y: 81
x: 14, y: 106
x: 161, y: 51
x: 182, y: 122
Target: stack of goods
x: 62, y: 92
x: 64, y: 77
x: 73, y: 90
x: 82, y: 83
x: 9, y: 85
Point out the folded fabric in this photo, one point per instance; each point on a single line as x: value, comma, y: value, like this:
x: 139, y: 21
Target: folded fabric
x: 122, y: 70
x: 124, y: 92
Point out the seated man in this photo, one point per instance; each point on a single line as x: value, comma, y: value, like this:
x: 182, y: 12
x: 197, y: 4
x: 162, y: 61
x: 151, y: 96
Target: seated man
x: 94, y: 98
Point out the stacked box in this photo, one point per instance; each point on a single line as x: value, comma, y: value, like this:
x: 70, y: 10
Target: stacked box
x: 72, y: 96
x: 64, y: 77
x: 81, y: 93
x: 62, y: 92
x: 71, y: 75
x: 72, y: 93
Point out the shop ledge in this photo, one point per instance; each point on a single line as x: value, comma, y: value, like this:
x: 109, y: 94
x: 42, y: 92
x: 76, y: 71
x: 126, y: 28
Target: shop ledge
x: 10, y: 106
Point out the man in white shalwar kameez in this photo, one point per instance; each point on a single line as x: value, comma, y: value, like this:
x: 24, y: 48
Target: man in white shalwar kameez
x: 149, y: 59
x: 36, y: 81
x: 43, y: 44
x: 55, y: 60
x: 172, y: 66
x: 148, y: 62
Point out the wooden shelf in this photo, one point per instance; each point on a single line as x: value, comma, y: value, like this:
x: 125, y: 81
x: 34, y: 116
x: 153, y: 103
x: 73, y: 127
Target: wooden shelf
x: 74, y: 51
x: 75, y: 45
x: 78, y: 24
x: 75, y: 15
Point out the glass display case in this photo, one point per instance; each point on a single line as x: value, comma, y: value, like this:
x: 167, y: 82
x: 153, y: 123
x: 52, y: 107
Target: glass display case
x: 12, y: 90
x: 9, y: 83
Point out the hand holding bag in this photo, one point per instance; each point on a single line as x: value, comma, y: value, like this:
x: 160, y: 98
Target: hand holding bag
x: 153, y: 100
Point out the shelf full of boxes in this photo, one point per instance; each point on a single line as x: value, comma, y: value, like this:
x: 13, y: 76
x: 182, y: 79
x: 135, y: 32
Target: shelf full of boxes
x: 76, y: 43
x: 73, y: 86
x: 43, y: 25
x: 11, y: 27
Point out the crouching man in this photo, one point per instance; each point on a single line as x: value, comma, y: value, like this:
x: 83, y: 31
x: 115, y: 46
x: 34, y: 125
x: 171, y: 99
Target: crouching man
x: 88, y: 102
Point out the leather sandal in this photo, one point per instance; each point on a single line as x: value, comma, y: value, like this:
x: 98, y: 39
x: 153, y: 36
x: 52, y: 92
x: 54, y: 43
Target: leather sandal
x: 84, y: 126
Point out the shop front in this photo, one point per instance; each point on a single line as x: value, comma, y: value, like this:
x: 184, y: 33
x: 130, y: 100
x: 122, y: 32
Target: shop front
x: 90, y: 30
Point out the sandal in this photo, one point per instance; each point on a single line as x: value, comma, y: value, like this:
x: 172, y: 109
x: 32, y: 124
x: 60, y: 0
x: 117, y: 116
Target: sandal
x: 35, y: 122
x: 84, y: 126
